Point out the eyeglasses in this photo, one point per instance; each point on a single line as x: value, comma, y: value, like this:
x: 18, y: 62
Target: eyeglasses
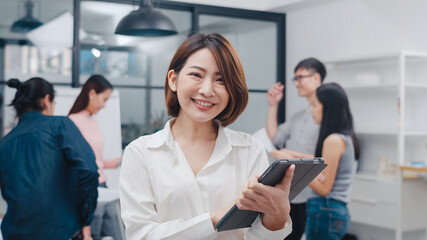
x: 299, y: 77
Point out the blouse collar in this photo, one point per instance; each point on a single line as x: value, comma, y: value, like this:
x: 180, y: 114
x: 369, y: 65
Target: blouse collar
x: 225, y: 137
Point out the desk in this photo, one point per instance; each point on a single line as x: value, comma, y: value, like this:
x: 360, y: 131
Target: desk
x: 411, y: 172
x: 107, y: 195
x: 411, y: 168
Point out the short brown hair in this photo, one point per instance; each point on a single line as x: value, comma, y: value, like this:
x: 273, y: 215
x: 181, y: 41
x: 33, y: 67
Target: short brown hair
x: 229, y: 66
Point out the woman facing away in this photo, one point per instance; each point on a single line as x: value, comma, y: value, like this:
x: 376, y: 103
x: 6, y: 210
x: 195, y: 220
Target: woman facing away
x: 327, y: 213
x: 48, y: 175
x: 179, y: 182
x: 92, y: 98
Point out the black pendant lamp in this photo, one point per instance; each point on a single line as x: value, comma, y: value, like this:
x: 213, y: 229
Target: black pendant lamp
x: 146, y: 22
x: 28, y: 22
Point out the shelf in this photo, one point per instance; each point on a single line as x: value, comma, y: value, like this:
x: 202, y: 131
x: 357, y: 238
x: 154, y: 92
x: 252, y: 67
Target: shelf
x: 416, y: 86
x: 422, y: 133
x: 365, y: 87
x: 365, y: 58
x: 412, y: 168
x: 389, y: 86
x: 375, y: 178
x: 376, y: 132
x: 415, y: 133
x: 378, y: 57
x: 387, y: 92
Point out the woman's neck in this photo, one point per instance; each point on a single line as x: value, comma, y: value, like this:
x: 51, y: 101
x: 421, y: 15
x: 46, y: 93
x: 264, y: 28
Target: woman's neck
x: 86, y: 110
x: 189, y: 130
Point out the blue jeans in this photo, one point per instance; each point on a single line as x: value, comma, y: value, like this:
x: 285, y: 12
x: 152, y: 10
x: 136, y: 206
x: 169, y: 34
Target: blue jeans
x: 327, y: 219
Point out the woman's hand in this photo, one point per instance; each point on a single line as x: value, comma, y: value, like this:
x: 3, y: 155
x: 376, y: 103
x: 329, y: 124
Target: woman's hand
x: 112, y: 163
x: 282, y: 154
x: 273, y: 202
x: 219, y: 213
x: 86, y: 233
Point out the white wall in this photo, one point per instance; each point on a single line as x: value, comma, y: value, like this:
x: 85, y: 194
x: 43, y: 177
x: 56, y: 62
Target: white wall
x: 346, y: 28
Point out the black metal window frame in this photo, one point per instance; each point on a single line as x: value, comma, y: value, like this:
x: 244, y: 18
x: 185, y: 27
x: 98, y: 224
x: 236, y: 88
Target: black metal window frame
x: 196, y: 10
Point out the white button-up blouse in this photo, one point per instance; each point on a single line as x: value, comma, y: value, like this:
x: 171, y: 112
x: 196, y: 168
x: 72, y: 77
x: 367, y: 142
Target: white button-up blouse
x: 162, y: 199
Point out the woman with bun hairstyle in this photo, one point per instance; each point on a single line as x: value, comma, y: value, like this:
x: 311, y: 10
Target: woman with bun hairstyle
x: 48, y: 175
x: 92, y: 98
x: 179, y: 182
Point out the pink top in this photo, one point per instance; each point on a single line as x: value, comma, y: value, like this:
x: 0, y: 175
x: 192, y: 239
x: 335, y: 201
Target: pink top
x: 89, y: 128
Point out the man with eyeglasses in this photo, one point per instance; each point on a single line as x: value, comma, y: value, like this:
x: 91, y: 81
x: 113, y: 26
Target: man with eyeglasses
x: 296, y: 138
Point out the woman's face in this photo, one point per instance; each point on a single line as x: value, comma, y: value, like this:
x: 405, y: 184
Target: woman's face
x: 97, y: 100
x: 316, y: 109
x: 201, y: 92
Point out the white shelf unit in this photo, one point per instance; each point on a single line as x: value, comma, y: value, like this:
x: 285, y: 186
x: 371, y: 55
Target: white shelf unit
x: 388, y: 99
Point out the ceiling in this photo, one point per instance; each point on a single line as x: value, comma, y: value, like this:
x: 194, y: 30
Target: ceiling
x: 46, y: 10
x: 260, y: 5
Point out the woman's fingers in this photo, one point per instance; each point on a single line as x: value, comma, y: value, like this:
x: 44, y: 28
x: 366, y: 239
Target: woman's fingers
x: 285, y: 184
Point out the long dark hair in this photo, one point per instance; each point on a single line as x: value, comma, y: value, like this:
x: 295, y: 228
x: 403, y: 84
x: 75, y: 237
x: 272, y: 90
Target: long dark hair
x: 337, y: 117
x: 96, y: 82
x: 29, y: 93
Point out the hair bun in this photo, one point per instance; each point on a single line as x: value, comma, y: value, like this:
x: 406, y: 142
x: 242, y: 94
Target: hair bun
x: 14, y: 83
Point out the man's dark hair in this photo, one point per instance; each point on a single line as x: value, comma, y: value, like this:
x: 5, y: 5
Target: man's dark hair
x: 313, y: 64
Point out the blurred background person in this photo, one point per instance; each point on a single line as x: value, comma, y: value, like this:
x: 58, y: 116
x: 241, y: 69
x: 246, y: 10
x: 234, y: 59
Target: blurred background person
x: 47, y: 172
x: 92, y: 98
x: 327, y: 213
x: 296, y: 138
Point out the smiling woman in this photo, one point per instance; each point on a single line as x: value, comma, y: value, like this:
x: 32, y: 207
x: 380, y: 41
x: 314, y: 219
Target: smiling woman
x: 230, y: 79
x: 197, y: 163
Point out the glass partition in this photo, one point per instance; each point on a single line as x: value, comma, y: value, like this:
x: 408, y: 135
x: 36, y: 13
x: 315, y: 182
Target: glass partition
x: 126, y: 60
x: 136, y: 65
x: 256, y: 43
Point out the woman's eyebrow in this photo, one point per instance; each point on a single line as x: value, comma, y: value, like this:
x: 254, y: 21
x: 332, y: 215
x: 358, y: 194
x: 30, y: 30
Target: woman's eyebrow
x: 203, y: 70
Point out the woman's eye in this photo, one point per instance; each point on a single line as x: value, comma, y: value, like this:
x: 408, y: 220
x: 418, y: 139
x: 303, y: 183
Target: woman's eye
x: 196, y: 75
x: 219, y: 80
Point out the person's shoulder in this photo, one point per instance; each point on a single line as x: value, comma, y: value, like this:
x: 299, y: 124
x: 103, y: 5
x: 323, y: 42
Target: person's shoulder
x: 140, y: 141
x: 60, y: 123
x: 238, y: 138
x: 335, y: 140
x: 59, y: 119
x: 301, y: 112
x: 146, y: 141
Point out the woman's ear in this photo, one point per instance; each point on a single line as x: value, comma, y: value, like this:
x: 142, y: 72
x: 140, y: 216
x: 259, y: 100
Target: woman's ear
x: 172, y: 80
x: 47, y: 105
x: 45, y: 101
x: 92, y: 94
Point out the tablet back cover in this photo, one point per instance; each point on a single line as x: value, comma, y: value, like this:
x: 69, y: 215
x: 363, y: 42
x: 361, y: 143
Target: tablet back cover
x: 305, y: 171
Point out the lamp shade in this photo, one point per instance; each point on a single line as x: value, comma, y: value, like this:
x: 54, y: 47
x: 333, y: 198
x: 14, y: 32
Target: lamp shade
x: 147, y: 22
x: 28, y: 22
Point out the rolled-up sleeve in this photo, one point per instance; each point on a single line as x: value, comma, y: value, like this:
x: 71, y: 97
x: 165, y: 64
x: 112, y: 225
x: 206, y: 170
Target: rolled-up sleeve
x: 258, y: 231
x: 282, y: 134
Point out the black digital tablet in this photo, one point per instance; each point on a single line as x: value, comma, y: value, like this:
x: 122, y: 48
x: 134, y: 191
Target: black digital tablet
x: 306, y: 169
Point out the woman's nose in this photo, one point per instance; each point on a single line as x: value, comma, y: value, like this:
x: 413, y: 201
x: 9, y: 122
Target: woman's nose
x: 207, y: 88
